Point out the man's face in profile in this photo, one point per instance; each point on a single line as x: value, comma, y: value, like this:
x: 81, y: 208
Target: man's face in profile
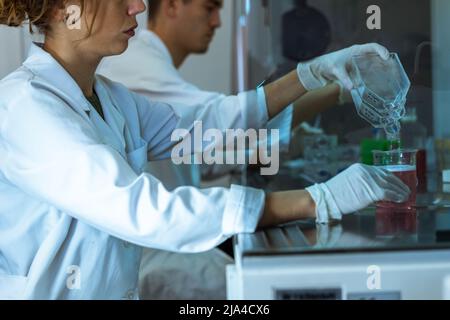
x: 198, y: 22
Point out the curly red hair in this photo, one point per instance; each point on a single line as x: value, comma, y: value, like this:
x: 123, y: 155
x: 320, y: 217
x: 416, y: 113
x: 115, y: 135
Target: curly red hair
x: 37, y: 13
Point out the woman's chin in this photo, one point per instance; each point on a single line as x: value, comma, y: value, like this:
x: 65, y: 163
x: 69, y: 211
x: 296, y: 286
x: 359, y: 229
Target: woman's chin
x: 118, y: 49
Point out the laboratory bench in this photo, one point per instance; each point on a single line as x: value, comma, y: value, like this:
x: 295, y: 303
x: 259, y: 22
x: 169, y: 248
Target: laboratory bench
x: 371, y: 254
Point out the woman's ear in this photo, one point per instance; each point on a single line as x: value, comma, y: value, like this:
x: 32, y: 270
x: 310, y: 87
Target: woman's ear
x: 59, y: 14
x: 72, y: 17
x: 68, y: 14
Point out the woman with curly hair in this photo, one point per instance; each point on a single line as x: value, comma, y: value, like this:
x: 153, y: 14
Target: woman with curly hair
x: 75, y: 204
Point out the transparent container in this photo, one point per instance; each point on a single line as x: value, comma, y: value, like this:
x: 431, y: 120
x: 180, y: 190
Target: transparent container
x: 402, y: 163
x: 443, y: 154
x: 381, y: 87
x: 414, y: 134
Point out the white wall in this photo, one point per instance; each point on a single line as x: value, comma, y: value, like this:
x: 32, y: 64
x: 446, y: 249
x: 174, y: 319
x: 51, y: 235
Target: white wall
x: 213, y: 70
x: 12, y: 53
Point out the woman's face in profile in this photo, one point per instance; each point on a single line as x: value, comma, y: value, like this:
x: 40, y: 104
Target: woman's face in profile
x: 102, y: 27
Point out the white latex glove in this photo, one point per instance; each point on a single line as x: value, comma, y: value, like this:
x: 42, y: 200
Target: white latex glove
x: 355, y: 189
x: 345, y: 96
x: 319, y: 72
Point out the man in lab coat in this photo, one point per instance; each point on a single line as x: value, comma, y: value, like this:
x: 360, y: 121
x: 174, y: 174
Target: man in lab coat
x: 150, y: 66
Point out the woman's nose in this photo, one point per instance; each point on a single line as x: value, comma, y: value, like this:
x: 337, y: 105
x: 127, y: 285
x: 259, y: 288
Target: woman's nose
x: 135, y: 7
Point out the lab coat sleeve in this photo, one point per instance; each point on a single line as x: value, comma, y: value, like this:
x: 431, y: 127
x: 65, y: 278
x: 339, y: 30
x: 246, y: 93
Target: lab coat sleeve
x: 245, y: 111
x: 242, y: 111
x: 215, y: 110
x: 154, y: 118
x: 50, y: 153
x: 157, y: 122
x: 282, y: 122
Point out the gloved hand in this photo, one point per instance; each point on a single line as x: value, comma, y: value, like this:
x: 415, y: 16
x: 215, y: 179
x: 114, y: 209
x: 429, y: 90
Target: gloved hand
x: 345, y: 96
x: 323, y: 70
x: 354, y: 189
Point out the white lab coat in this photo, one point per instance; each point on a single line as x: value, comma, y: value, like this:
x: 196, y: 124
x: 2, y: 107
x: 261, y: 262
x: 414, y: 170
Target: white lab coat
x: 148, y: 69
x: 75, y: 206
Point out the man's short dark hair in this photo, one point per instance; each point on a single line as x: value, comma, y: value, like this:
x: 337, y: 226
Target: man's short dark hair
x: 155, y: 5
x: 153, y: 8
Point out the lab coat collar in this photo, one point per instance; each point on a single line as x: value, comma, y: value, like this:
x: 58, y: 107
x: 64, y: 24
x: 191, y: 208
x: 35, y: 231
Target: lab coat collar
x: 114, y: 121
x: 149, y: 37
x: 42, y: 64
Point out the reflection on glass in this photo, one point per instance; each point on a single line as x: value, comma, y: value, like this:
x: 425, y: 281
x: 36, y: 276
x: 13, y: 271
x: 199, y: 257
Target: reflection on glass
x: 395, y: 223
x: 323, y: 235
x: 402, y: 163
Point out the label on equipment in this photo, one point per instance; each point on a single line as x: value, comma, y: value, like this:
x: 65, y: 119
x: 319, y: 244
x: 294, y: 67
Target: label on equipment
x: 309, y: 294
x: 393, y: 295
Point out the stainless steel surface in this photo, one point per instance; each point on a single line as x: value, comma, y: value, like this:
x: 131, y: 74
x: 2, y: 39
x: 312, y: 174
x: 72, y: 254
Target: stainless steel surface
x: 368, y: 230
